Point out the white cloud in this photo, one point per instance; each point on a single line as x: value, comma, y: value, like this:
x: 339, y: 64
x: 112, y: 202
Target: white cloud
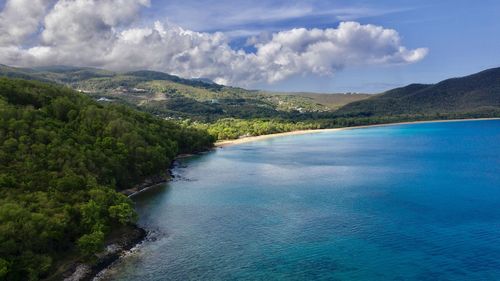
x: 76, y: 21
x: 21, y: 18
x: 108, y: 34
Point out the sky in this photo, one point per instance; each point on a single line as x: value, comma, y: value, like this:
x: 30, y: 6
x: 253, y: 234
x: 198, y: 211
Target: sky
x: 315, y: 45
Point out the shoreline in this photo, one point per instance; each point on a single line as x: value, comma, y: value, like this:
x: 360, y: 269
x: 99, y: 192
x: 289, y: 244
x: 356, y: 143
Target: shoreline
x: 156, y: 180
x: 224, y: 143
x: 129, y: 239
x: 121, y: 241
x: 160, y: 178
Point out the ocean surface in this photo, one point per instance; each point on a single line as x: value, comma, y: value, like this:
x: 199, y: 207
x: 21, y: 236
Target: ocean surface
x: 405, y: 202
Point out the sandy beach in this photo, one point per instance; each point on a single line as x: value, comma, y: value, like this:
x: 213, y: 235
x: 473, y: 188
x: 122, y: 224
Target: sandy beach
x: 224, y: 143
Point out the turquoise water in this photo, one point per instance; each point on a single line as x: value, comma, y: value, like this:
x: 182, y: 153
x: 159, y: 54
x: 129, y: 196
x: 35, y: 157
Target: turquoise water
x: 406, y: 202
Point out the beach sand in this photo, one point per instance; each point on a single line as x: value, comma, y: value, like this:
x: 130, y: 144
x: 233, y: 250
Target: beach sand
x: 224, y: 143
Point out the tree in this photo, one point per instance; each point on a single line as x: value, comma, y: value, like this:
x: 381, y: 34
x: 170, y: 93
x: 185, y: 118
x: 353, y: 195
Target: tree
x: 123, y: 213
x: 63, y: 160
x: 92, y: 243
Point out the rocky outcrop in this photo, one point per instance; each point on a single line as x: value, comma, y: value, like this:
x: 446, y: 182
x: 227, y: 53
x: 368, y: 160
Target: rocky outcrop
x: 150, y: 181
x: 115, y: 247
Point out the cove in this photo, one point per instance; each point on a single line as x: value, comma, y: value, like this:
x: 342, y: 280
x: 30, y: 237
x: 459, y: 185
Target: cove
x: 406, y: 202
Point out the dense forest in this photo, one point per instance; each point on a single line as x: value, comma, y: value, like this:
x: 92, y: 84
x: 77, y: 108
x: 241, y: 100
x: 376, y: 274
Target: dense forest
x: 230, y: 128
x: 63, y: 159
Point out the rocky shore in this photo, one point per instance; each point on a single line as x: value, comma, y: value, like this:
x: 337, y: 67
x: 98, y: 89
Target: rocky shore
x: 120, y: 242
x: 149, y: 182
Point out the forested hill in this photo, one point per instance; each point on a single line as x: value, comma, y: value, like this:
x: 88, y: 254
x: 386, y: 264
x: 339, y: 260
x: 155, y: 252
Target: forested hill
x: 63, y: 157
x: 171, y: 96
x: 477, y: 93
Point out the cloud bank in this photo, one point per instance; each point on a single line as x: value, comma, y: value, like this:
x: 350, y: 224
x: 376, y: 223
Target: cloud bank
x: 110, y: 34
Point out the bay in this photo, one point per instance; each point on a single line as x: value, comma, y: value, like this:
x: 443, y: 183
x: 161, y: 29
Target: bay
x: 405, y: 202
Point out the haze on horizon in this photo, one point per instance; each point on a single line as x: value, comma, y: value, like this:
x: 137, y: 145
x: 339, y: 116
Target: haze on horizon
x: 317, y: 45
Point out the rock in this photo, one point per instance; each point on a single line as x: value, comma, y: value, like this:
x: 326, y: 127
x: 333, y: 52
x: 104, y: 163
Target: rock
x: 81, y: 271
x: 115, y: 248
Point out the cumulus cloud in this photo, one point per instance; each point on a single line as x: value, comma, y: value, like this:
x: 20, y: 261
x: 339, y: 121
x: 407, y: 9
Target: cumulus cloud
x: 109, y: 34
x: 21, y: 18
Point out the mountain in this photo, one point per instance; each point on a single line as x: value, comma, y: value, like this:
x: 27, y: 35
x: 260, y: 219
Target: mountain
x: 332, y: 100
x: 169, y: 96
x: 475, y: 93
x: 174, y: 97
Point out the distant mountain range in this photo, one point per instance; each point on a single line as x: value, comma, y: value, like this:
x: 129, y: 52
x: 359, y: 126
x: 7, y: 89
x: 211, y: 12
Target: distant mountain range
x: 479, y: 92
x: 171, y: 96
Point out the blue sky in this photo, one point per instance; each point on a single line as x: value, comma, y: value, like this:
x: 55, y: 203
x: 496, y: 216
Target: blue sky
x: 463, y: 36
x: 391, y: 43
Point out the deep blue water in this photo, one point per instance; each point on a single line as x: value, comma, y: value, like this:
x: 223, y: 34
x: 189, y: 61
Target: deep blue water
x: 406, y: 202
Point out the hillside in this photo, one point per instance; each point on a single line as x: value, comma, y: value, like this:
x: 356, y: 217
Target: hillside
x: 63, y: 157
x: 230, y: 112
x: 170, y: 96
x: 477, y: 93
x: 331, y: 100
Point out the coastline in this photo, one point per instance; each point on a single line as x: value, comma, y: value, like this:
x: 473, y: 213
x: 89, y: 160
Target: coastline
x: 224, y: 143
x: 105, y: 261
x: 121, y: 241
x: 411, y: 142
x: 160, y: 178
x: 125, y: 239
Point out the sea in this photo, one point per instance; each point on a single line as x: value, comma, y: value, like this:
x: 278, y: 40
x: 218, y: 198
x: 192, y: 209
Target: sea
x: 401, y: 202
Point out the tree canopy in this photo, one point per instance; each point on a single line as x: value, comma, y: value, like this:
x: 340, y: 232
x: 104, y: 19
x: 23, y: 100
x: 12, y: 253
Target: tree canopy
x: 63, y: 157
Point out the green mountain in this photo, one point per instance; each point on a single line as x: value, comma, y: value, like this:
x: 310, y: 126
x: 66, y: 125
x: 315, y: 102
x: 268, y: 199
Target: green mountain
x: 170, y: 96
x: 332, y: 101
x: 477, y: 93
x: 63, y: 157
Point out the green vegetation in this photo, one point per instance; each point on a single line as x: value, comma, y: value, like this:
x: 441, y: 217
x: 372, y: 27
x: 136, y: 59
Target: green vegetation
x: 234, y: 128
x: 230, y: 128
x: 475, y: 94
x: 170, y: 96
x: 328, y: 100
x: 63, y: 157
x: 196, y: 100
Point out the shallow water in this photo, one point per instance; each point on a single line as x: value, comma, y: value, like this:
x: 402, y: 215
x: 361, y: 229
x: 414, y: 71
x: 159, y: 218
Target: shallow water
x: 408, y: 202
